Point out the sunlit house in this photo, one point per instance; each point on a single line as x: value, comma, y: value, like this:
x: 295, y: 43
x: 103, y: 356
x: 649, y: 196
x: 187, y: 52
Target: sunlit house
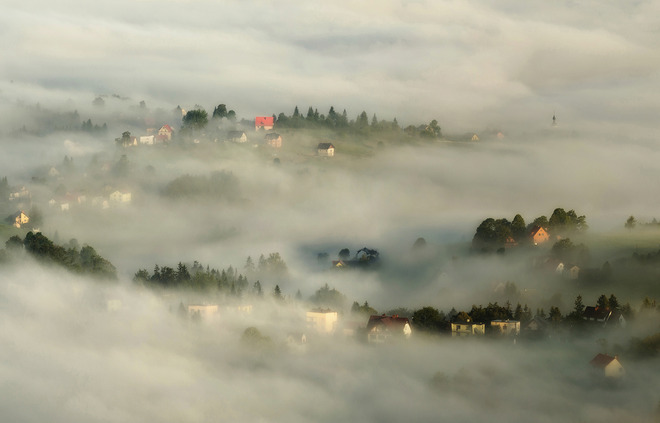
x: 386, y: 328
x: 147, y: 139
x: 296, y: 342
x: 165, y: 133
x: 467, y: 328
x: 264, y: 122
x: 475, y: 137
x: 539, y: 235
x: 202, y: 310
x: 19, y: 194
x: 120, y: 197
x: 273, y: 140
x: 610, y: 366
x: 237, y: 136
x: 18, y: 219
x: 325, y: 149
x: 506, y: 327
x: 322, y: 320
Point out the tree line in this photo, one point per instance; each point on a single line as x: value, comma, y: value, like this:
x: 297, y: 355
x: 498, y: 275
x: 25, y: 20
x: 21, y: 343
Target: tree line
x: 83, y: 260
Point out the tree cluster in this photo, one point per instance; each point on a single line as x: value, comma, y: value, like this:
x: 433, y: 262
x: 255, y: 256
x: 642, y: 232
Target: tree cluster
x: 493, y: 233
x: 83, y: 260
x: 220, y: 185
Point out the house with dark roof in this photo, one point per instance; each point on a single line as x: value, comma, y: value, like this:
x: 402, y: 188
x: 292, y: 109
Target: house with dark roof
x: 237, y: 136
x: 386, y: 328
x: 325, y: 149
x: 596, y: 314
x: 273, y: 139
x: 506, y: 327
x: 608, y: 365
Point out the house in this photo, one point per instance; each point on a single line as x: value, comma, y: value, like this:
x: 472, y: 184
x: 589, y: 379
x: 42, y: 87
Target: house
x: 18, y: 219
x: 53, y: 172
x: 573, y: 272
x: 322, y: 320
x: 605, y: 316
x: 385, y: 328
x: 19, y: 193
x: 147, y: 139
x: 237, y: 136
x: 467, y: 328
x: 165, y: 133
x: 537, y: 325
x: 120, y: 197
x: 325, y: 149
x: 610, y: 366
x: 202, y: 310
x: 475, y: 137
x: 506, y: 327
x: 510, y: 242
x: 273, y: 140
x: 596, y: 314
x: 264, y: 122
x: 101, y: 202
x: 539, y: 235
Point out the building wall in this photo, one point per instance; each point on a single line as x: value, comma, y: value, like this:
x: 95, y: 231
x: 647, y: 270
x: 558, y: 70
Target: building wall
x: 614, y: 369
x: 322, y: 322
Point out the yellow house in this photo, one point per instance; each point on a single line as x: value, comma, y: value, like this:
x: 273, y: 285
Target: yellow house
x: 322, y: 320
x: 203, y: 310
x: 467, y: 329
x: 18, y: 219
x: 610, y: 366
x: 506, y: 327
x: 539, y: 235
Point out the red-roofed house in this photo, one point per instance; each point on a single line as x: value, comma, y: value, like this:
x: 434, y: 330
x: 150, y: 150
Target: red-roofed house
x: 383, y: 328
x: 610, y: 366
x: 264, y: 122
x: 165, y: 133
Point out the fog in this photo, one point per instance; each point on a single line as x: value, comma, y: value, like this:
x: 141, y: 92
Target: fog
x: 500, y: 71
x: 463, y: 63
x: 67, y: 358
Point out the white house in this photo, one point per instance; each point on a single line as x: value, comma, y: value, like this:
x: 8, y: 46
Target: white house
x: 610, y: 366
x: 325, y: 149
x: 120, y: 197
x: 322, y: 320
x: 147, y: 139
x: 237, y: 136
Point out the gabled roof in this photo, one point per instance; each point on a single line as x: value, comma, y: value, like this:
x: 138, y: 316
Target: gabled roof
x: 272, y: 136
x: 602, y: 360
x: 596, y: 313
x: 393, y: 323
x: 536, y: 229
x: 325, y: 146
x: 264, y: 120
x: 168, y: 127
